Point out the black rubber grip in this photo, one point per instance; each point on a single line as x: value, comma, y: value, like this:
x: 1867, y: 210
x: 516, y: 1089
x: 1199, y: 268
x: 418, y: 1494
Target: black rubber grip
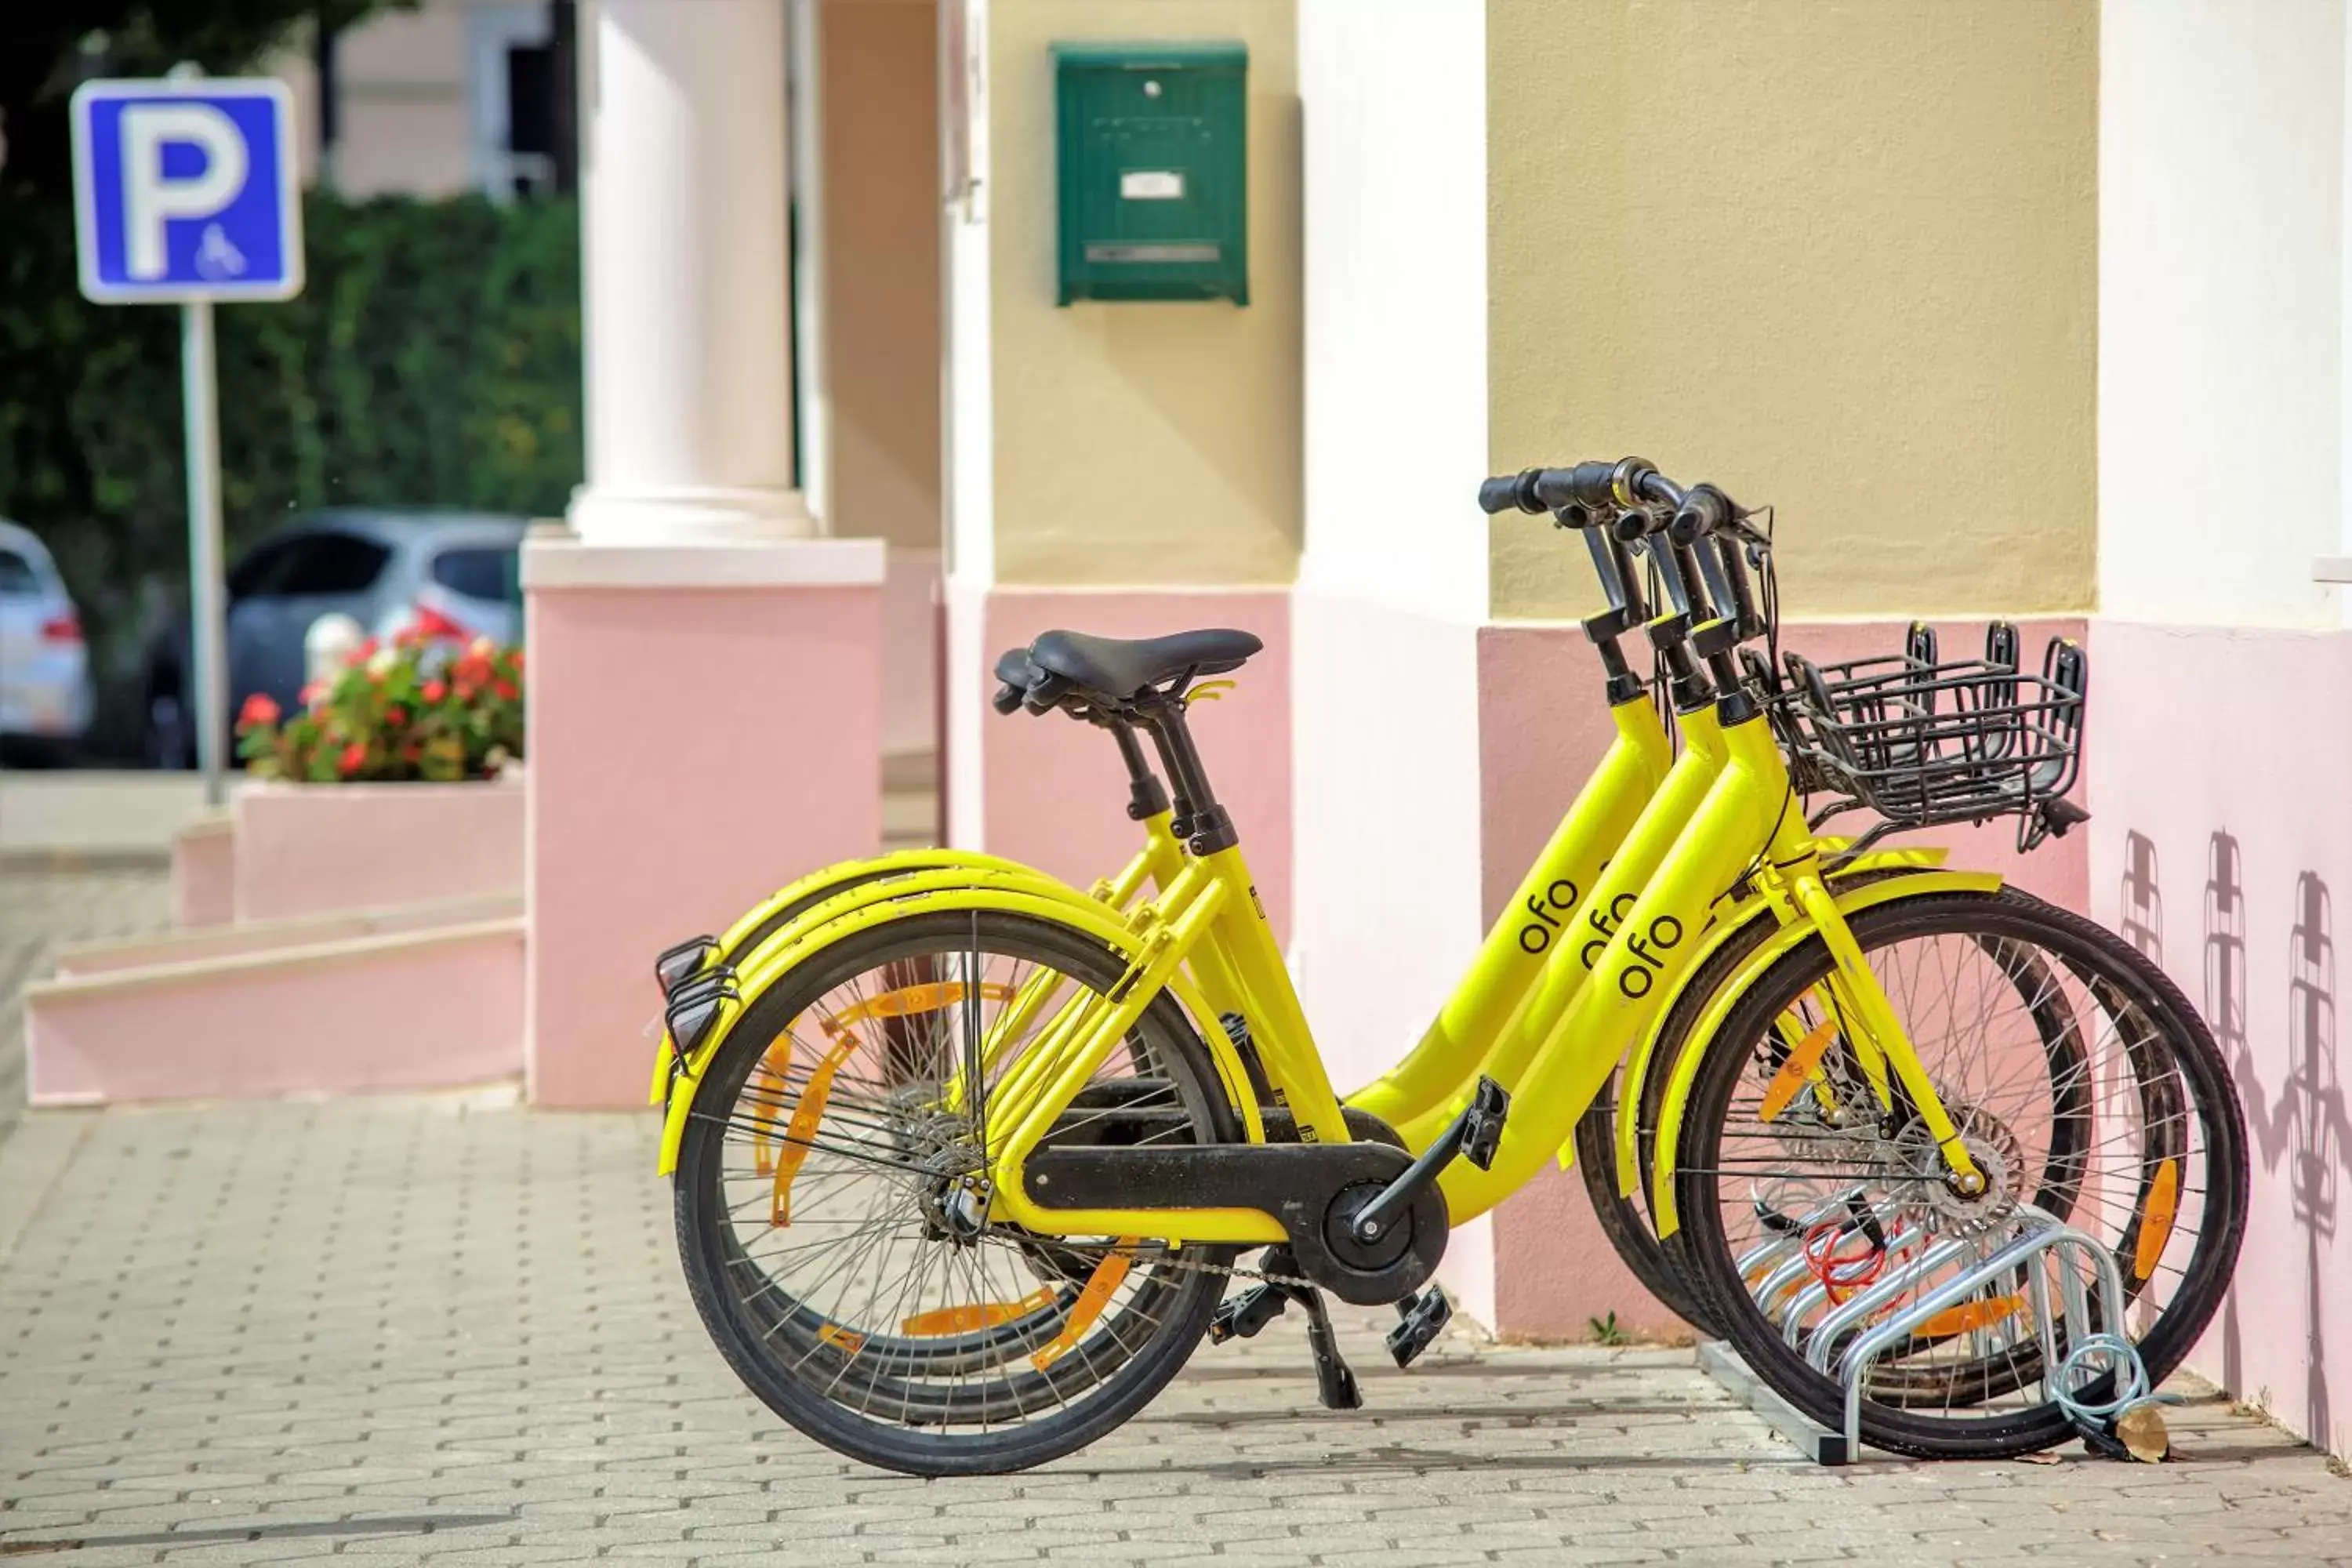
x: 1705, y: 508
x: 1007, y: 699
x: 1548, y: 489
x: 1505, y: 492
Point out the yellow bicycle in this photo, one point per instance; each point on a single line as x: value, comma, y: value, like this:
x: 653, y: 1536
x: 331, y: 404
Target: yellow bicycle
x: 964, y: 1159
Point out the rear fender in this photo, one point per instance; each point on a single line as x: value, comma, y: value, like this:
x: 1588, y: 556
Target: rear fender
x: 808, y: 937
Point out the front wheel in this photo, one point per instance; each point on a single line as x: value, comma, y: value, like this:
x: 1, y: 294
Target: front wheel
x: 2085, y: 1087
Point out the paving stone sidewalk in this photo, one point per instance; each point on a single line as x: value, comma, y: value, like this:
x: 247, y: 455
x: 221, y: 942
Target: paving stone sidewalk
x: 446, y: 1331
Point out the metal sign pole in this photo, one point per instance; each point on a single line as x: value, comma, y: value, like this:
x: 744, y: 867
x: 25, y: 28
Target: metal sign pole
x: 206, y: 611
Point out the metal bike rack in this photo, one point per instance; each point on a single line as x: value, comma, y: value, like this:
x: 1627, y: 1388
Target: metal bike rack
x: 2094, y: 1349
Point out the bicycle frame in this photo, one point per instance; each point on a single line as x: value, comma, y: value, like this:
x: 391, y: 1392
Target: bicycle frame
x: 1689, y: 837
x: 1740, y: 824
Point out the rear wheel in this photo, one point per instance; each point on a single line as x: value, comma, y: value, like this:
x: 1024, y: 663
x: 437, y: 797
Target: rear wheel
x: 836, y: 1232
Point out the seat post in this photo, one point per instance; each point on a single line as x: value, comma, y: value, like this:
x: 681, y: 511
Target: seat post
x: 1210, y: 828
x: 1145, y: 797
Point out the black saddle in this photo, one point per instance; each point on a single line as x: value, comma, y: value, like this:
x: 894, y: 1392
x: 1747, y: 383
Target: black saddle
x: 1120, y: 668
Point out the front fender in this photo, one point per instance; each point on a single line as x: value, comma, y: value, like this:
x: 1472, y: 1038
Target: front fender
x: 1676, y: 1099
x: 1736, y: 919
x: 1020, y: 893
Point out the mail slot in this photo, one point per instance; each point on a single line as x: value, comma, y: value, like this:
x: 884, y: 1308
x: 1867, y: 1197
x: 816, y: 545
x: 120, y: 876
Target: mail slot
x: 1152, y: 149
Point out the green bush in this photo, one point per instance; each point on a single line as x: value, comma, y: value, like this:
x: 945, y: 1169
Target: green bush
x: 432, y: 359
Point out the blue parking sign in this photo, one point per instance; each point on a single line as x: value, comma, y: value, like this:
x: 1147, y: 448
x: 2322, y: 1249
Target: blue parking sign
x: 186, y: 190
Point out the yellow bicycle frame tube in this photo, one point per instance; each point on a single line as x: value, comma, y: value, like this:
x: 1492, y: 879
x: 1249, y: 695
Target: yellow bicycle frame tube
x: 1589, y: 924
x: 1651, y: 944
x: 1213, y: 903
x: 1521, y: 941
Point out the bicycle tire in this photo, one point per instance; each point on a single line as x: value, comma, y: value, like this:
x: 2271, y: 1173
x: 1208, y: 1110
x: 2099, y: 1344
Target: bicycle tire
x: 2100, y: 959
x: 1159, y: 1349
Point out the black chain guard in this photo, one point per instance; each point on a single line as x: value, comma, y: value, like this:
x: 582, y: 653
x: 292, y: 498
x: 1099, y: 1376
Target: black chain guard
x: 1296, y: 1183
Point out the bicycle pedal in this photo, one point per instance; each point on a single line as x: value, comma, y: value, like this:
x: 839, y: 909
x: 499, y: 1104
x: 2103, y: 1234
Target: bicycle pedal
x: 1482, y: 1123
x: 1421, y: 1319
x: 1245, y: 1314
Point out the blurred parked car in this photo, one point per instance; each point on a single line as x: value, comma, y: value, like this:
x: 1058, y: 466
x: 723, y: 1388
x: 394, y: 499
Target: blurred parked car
x: 441, y: 574
x: 44, y: 688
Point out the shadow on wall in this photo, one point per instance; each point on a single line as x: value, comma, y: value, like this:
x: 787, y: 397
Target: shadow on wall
x: 2303, y: 1120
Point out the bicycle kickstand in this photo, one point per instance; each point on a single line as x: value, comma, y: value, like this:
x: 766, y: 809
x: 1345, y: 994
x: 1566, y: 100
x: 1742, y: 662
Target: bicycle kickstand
x: 1242, y: 1317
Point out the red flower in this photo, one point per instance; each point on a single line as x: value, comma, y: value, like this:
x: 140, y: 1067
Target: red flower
x: 435, y: 690
x: 517, y: 657
x: 395, y: 714
x: 354, y: 757
x: 258, y: 709
x: 362, y: 653
x: 505, y: 689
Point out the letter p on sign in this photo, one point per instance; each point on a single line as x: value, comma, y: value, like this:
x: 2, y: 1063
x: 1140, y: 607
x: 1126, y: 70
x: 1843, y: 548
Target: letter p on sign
x: 185, y: 190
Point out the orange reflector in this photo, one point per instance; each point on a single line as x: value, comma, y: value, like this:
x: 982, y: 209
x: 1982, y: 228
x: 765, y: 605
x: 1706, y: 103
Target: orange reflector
x: 2156, y: 1220
x: 1087, y: 1306
x: 908, y: 1000
x: 1970, y: 1315
x: 1795, y: 1069
x: 849, y: 1340
x: 803, y: 1127
x: 768, y: 1084
x: 970, y: 1320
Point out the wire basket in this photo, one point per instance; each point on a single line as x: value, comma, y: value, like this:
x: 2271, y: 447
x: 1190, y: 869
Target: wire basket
x: 1921, y: 741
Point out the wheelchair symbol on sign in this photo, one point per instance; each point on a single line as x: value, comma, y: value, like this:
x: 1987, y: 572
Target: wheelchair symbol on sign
x: 217, y: 256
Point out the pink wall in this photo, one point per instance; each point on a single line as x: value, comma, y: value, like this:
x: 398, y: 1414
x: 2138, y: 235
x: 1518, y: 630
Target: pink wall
x: 419, y: 1011
x: 1542, y: 727
x: 692, y: 750
x: 204, y: 873
x: 1054, y: 794
x: 303, y: 849
x: 911, y: 651
x: 2221, y: 845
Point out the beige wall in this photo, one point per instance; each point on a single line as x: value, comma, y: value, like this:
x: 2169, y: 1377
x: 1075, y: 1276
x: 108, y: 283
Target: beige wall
x: 1839, y: 257
x: 881, y: 330
x: 1142, y: 443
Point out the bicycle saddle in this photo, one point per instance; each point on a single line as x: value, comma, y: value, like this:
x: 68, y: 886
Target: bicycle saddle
x: 1119, y: 667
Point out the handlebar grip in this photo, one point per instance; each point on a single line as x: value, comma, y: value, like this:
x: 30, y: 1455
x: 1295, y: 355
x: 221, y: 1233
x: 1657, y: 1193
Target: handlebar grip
x: 1705, y: 508
x: 1587, y: 485
x: 1507, y: 492
x: 1007, y: 700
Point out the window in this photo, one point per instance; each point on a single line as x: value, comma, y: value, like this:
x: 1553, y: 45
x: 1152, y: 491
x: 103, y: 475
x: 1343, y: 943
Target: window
x: 483, y: 574
x: 310, y: 565
x: 18, y: 578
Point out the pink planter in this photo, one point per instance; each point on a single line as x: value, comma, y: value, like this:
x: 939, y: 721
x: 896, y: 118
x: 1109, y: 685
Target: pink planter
x: 303, y: 849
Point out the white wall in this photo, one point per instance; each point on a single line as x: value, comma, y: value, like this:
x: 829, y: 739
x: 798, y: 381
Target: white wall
x: 1392, y: 584
x: 2221, y: 282
x: 967, y: 413
x: 1394, y: 95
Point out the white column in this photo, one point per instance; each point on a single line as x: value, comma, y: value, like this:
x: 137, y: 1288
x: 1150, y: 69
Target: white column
x: 685, y: 260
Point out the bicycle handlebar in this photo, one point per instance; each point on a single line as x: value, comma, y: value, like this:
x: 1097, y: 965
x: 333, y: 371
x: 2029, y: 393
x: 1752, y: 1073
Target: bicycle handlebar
x: 1594, y: 487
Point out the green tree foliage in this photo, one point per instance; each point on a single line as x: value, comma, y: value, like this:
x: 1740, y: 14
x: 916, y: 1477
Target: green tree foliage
x: 432, y: 359
x: 47, y: 46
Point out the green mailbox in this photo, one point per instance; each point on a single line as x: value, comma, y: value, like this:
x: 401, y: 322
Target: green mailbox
x: 1154, y: 152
